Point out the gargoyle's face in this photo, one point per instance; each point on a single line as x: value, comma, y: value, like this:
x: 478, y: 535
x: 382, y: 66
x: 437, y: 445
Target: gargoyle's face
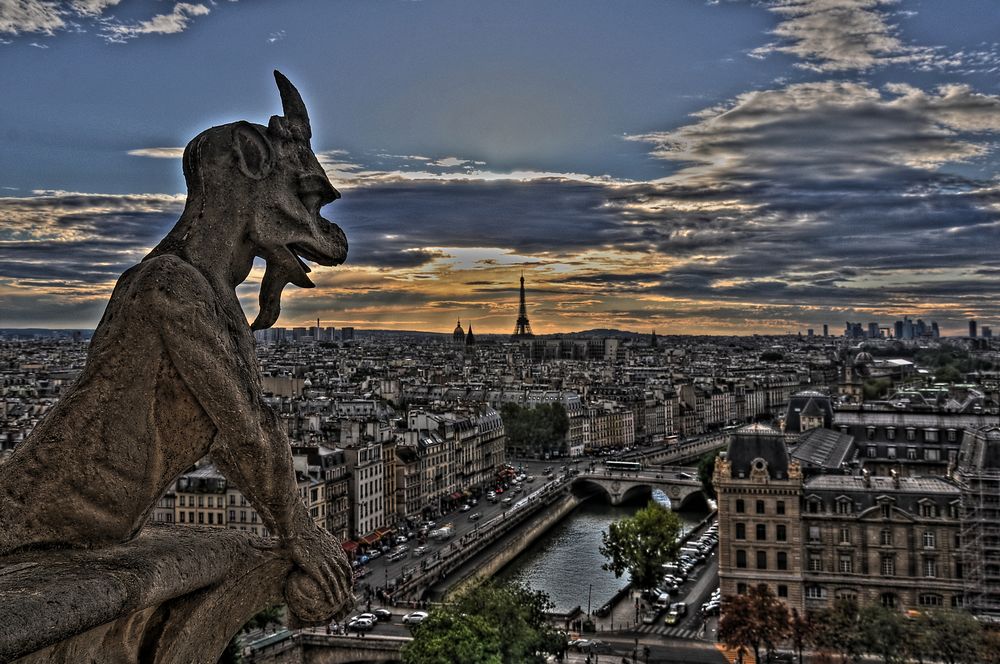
x: 285, y: 187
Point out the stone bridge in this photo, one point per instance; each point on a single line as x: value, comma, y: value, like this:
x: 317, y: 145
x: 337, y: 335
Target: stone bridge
x: 313, y: 647
x: 679, y: 483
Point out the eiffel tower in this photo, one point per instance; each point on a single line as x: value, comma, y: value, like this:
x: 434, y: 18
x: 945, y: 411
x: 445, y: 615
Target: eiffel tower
x: 522, y: 329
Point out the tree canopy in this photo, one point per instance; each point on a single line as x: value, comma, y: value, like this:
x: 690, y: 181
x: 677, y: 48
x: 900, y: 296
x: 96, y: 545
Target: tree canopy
x: 642, y: 544
x: 706, y: 467
x: 492, y: 623
x: 535, y: 430
x: 754, y: 619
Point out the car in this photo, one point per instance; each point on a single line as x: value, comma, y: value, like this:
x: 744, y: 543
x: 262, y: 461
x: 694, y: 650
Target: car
x: 419, y: 551
x: 401, y: 539
x: 414, y: 618
x: 465, y: 507
x: 473, y: 502
x: 360, y: 625
x: 475, y: 516
x: 383, y: 615
x: 677, y: 611
x: 506, y: 502
x: 372, y: 555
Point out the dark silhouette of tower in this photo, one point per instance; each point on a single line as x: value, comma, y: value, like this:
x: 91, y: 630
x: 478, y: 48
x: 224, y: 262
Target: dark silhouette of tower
x: 522, y: 329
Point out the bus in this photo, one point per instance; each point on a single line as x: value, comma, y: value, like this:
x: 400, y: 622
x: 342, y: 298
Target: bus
x: 625, y: 466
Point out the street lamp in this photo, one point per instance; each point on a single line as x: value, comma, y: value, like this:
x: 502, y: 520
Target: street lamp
x: 590, y: 590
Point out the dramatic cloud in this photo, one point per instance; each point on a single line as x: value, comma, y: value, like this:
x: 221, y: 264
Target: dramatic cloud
x: 30, y: 16
x: 846, y: 35
x: 161, y: 24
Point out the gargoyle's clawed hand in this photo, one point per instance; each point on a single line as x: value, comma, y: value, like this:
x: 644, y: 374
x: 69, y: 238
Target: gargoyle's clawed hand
x: 321, y: 588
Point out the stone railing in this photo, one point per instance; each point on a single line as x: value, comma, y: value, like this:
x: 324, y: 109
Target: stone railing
x: 173, y: 594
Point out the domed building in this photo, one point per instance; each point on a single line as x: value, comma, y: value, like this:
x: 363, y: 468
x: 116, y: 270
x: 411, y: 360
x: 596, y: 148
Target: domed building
x: 458, y: 336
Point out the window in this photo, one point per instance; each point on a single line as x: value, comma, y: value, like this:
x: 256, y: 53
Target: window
x: 844, y: 507
x: 932, y: 455
x: 232, y: 515
x: 911, y: 433
x: 845, y: 535
x: 782, y: 560
x: 952, y: 435
x: 201, y: 517
x: 930, y: 435
x: 871, y: 451
x: 911, y: 453
x: 930, y: 568
x: 888, y: 566
x: 780, y: 533
x: 740, y: 505
x: 182, y: 517
x: 890, y: 433
x: 846, y: 593
x: 761, y: 532
x: 760, y: 507
x: 815, y: 562
x: 779, y: 507
x: 846, y: 565
x: 814, y: 534
x: 886, y: 511
x: 782, y: 591
x: 957, y: 601
x: 762, y: 560
x: 928, y: 509
x: 182, y: 501
x: 888, y: 600
x: 741, y: 531
x: 930, y: 539
x: 929, y: 599
x: 741, y: 558
x: 815, y: 592
x: 814, y: 506
x: 870, y: 433
x: 890, y: 452
x: 211, y: 518
x: 201, y: 501
x: 741, y: 588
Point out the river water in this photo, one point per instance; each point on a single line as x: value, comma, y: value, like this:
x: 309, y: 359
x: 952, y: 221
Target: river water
x: 566, y: 561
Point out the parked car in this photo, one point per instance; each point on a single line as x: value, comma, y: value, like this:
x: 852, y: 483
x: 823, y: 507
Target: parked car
x: 465, y: 507
x: 419, y: 551
x: 414, y: 618
x: 383, y: 615
x: 361, y: 624
x: 475, y: 516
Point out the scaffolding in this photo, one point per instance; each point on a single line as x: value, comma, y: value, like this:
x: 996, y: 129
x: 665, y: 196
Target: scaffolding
x: 980, y: 526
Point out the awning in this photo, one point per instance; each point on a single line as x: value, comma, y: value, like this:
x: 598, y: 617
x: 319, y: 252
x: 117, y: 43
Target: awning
x: 456, y: 495
x: 371, y: 539
x: 382, y: 532
x: 349, y: 545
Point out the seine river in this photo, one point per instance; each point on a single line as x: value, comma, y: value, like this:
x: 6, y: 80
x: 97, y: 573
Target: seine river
x: 566, y: 562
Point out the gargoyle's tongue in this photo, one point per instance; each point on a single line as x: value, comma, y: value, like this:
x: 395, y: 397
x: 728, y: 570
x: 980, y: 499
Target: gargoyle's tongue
x: 282, y: 267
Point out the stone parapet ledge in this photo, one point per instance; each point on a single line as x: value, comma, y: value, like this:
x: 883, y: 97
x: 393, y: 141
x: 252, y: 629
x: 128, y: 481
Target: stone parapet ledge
x: 175, y: 594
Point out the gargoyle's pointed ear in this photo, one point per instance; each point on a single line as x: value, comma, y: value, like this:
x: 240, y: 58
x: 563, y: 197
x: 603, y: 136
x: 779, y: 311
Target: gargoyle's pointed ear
x: 253, y: 151
x: 293, y: 106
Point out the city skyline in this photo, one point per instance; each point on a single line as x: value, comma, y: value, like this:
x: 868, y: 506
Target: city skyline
x: 693, y: 167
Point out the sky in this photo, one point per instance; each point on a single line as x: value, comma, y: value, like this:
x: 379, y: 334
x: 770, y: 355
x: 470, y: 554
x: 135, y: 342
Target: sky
x: 688, y: 166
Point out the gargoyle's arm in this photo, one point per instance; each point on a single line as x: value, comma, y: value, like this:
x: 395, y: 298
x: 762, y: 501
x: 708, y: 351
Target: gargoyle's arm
x: 249, y: 446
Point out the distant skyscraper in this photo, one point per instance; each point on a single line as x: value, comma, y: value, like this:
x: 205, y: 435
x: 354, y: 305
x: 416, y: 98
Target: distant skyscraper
x: 987, y: 332
x: 809, y: 332
x: 873, y: 331
x: 346, y: 333
x: 972, y: 329
x: 826, y: 330
x: 522, y: 329
x: 898, y: 329
x: 935, y: 330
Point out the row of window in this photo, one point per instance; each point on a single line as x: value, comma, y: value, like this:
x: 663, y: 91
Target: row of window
x: 930, y: 435
x: 780, y: 532
x: 924, y: 508
x: 780, y: 559
x: 845, y: 565
x: 760, y: 506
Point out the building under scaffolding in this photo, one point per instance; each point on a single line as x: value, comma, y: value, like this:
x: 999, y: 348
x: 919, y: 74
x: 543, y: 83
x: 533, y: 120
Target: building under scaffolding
x: 978, y: 473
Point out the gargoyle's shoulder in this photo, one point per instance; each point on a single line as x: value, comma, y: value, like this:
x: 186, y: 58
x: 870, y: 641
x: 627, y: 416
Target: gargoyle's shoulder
x: 167, y: 278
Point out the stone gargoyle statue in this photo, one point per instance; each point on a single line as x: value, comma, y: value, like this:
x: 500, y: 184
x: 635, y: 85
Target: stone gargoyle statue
x: 171, y: 373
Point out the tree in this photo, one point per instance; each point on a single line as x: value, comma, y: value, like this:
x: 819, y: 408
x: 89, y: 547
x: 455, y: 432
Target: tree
x: 534, y: 430
x: 754, y: 619
x: 642, y: 544
x: 883, y: 632
x: 990, y: 646
x: 706, y: 467
x: 492, y: 623
x: 952, y: 636
x: 772, y: 356
x: 837, y: 629
x: 802, y: 630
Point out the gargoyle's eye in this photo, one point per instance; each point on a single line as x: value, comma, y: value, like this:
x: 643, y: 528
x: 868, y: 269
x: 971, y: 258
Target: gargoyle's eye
x: 315, y: 192
x: 312, y: 200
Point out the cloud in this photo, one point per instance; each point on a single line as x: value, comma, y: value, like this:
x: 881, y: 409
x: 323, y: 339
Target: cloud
x: 30, y: 16
x: 276, y: 36
x: 158, y: 153
x: 162, y: 24
x: 858, y: 35
x: 92, y: 7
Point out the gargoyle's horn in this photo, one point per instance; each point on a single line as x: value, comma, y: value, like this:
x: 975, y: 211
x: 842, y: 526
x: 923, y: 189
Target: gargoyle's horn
x: 292, y: 105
